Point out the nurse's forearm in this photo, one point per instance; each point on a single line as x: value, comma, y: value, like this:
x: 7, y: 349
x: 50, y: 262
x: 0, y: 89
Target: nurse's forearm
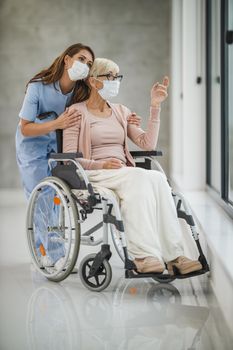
x: 34, y: 129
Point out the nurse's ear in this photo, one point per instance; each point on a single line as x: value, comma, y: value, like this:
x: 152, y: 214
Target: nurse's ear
x: 68, y: 62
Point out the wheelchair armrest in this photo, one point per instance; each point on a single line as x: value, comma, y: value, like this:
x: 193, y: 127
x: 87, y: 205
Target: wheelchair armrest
x: 137, y: 154
x: 71, y: 172
x: 66, y: 155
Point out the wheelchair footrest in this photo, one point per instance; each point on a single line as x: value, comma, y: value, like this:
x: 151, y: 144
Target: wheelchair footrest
x: 162, y: 277
x: 192, y: 274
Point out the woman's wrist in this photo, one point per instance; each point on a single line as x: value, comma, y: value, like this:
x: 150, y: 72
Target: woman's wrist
x: 156, y: 105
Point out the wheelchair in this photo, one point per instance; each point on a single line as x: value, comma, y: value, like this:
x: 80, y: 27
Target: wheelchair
x: 73, y: 200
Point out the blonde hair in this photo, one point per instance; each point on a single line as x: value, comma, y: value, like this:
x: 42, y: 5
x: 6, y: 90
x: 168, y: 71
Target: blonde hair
x: 103, y: 66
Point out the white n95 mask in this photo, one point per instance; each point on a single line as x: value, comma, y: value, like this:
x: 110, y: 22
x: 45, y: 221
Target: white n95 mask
x: 78, y: 71
x: 110, y: 89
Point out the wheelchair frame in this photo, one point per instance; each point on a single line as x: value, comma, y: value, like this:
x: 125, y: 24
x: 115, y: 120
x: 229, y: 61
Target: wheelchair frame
x: 69, y: 173
x: 116, y: 220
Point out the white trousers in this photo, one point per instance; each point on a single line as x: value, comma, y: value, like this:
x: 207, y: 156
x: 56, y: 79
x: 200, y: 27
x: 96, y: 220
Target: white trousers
x: 148, y: 210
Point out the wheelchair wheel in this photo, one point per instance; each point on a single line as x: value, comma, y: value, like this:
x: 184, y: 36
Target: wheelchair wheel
x: 102, y: 278
x: 53, y: 229
x: 117, y: 241
x: 163, y: 293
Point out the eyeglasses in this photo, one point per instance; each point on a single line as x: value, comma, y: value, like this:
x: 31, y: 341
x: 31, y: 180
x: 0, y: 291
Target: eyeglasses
x: 111, y: 76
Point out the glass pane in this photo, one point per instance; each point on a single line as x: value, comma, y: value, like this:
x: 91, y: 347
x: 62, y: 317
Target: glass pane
x: 215, y: 96
x: 230, y: 103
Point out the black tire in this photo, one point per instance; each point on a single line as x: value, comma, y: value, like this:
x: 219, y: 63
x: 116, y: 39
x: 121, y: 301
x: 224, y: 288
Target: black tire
x: 164, y: 278
x: 96, y: 284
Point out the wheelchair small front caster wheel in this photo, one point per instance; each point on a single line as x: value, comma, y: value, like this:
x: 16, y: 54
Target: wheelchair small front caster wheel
x: 100, y: 280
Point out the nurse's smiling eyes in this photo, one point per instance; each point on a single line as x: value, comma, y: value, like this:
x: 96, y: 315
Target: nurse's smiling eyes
x: 83, y: 60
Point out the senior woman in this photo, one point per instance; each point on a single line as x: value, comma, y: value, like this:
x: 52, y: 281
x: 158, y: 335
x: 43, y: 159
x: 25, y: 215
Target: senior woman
x: 151, y: 225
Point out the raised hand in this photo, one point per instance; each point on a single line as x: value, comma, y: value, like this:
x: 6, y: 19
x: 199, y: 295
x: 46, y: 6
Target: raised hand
x: 159, y: 92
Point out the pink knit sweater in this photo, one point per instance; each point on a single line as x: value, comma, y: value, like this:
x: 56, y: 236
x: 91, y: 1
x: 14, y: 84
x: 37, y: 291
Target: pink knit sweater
x: 78, y: 137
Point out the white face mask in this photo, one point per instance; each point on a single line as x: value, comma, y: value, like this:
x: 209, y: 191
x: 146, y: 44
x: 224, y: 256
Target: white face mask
x: 78, y: 71
x: 110, y: 89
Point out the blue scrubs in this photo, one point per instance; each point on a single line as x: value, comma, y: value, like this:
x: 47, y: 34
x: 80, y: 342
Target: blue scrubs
x: 32, y: 152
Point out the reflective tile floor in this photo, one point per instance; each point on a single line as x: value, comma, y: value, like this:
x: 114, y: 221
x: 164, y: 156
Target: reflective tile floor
x: 129, y: 314
x: 36, y: 314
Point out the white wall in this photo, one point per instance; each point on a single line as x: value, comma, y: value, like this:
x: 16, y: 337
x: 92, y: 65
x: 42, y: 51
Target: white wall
x: 134, y: 33
x: 188, y: 115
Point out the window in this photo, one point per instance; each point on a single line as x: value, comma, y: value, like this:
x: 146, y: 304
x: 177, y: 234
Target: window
x: 230, y: 97
x: 219, y: 37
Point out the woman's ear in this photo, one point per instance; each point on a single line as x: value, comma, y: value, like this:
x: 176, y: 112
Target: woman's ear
x: 91, y: 82
x: 67, y: 61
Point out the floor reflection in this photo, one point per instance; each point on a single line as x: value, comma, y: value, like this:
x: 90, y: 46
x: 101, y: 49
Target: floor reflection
x: 136, y: 314
x: 51, y: 320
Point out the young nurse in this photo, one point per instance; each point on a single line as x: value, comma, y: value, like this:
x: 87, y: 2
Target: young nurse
x: 52, y: 89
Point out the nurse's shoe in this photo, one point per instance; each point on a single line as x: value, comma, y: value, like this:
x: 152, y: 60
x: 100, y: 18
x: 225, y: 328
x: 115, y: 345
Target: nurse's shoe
x: 60, y: 263
x: 184, y: 265
x: 149, y: 264
x: 45, y: 261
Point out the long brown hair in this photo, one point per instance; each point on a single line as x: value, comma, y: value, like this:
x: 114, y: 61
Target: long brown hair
x: 54, y: 72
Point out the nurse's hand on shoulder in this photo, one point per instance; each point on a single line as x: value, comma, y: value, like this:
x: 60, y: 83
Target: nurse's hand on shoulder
x: 159, y: 92
x: 112, y: 163
x: 134, y: 119
x: 68, y: 118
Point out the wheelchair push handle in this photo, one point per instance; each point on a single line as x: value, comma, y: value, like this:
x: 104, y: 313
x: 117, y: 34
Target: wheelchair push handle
x: 54, y: 115
x: 45, y: 115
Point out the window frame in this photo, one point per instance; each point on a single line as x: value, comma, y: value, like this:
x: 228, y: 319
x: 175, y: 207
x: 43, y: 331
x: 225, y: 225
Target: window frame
x: 223, y: 198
